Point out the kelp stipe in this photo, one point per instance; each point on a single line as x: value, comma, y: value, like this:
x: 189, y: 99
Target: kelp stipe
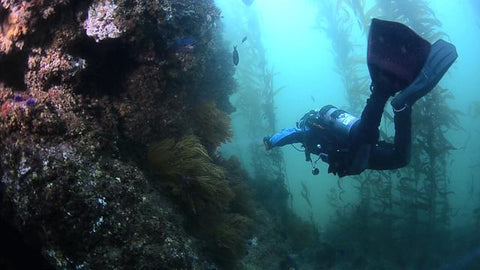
x: 353, y: 223
x: 424, y: 187
x: 405, y: 205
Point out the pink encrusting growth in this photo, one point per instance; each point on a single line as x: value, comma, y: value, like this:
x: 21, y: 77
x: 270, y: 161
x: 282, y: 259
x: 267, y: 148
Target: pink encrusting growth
x: 17, y: 101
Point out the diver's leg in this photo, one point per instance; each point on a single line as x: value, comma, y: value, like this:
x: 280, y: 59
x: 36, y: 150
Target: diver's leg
x: 387, y: 156
x: 366, y: 130
x: 364, y: 134
x: 284, y: 137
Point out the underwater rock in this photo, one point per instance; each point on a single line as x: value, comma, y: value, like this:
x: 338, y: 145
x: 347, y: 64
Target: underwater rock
x: 52, y: 66
x: 19, y: 19
x: 14, y: 25
x: 79, y: 203
x: 100, y: 23
x: 85, y: 86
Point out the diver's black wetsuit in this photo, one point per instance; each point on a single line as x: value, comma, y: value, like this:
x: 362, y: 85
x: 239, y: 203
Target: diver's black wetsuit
x: 383, y: 155
x: 399, y: 61
x: 362, y: 149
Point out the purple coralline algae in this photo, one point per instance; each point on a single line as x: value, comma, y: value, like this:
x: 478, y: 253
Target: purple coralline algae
x: 18, y: 98
x: 30, y: 102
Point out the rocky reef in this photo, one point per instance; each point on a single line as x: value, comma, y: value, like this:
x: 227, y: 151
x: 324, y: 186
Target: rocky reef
x: 112, y: 112
x: 85, y: 86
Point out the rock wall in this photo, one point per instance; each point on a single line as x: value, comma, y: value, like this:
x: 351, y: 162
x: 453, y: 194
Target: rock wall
x: 85, y: 87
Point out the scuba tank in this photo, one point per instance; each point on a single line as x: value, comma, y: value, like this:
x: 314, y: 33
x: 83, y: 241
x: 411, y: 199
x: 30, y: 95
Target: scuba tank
x: 334, y: 122
x: 329, y: 130
x: 339, y: 122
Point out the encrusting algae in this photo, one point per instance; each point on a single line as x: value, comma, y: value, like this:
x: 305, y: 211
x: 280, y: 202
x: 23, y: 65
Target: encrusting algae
x: 85, y: 88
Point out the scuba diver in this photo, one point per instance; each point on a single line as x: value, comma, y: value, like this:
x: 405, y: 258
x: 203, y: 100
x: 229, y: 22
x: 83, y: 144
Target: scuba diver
x: 399, y: 61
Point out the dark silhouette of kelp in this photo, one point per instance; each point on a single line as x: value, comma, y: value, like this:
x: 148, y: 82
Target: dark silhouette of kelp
x: 357, y: 225
x: 409, y: 205
x: 424, y: 185
x: 255, y: 103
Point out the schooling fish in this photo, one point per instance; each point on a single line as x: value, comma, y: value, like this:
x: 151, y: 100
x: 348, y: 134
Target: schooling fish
x: 235, y: 56
x: 247, y: 2
x: 244, y: 39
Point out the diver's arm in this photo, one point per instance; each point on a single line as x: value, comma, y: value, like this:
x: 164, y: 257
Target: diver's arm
x: 284, y: 137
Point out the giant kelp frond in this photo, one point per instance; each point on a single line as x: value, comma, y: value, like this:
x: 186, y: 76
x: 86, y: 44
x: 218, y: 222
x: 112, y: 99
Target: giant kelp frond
x: 423, y: 188
x: 416, y: 14
x: 358, y: 8
x: 306, y: 194
x: 211, y: 125
x: 188, y: 172
x: 336, y: 23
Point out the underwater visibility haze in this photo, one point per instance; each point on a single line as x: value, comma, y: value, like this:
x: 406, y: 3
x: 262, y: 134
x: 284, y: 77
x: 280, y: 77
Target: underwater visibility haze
x: 144, y: 134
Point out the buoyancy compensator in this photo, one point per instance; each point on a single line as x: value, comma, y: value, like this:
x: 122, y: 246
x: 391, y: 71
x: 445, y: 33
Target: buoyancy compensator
x: 328, y: 132
x: 334, y: 122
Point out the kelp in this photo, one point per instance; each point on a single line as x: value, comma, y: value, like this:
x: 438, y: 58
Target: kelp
x: 400, y: 204
x: 358, y: 7
x: 211, y: 125
x: 423, y: 187
x: 374, y: 201
x: 230, y: 240
x: 255, y: 103
x: 188, y: 172
x: 218, y: 204
x: 306, y: 194
x: 301, y: 234
x: 242, y: 203
x: 336, y: 23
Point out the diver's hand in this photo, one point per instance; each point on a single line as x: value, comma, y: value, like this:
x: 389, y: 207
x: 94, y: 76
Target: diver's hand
x: 267, y: 144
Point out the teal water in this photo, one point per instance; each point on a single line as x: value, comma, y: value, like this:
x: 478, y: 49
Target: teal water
x: 301, y: 52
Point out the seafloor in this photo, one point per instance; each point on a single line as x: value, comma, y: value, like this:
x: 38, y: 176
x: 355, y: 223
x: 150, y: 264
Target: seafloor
x: 109, y: 125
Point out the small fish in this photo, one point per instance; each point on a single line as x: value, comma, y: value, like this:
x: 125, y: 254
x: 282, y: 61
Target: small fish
x: 313, y: 99
x: 183, y: 45
x: 244, y: 39
x: 247, y: 2
x: 235, y: 56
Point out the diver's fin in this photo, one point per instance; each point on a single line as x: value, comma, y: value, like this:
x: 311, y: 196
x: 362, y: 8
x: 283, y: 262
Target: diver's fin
x: 441, y: 57
x: 395, y: 55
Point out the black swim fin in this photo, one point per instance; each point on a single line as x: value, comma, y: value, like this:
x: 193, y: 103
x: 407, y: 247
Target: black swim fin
x: 395, y: 55
x: 441, y: 57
